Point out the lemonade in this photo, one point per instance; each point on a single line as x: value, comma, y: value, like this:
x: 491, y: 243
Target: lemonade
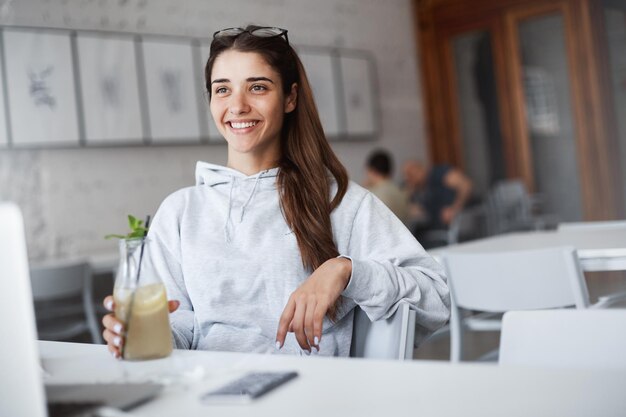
x: 148, y: 334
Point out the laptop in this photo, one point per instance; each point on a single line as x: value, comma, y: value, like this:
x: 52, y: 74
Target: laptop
x: 22, y: 389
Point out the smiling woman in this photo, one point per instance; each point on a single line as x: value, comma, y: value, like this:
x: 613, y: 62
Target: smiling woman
x: 273, y: 252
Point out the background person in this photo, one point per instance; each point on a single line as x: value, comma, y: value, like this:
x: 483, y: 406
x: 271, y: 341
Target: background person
x: 273, y: 251
x: 437, y: 195
x: 378, y: 180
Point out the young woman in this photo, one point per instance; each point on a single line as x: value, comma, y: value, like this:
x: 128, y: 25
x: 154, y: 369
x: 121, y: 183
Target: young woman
x: 272, y: 252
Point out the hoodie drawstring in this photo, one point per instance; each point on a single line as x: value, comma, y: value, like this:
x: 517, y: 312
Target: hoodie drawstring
x: 230, y: 205
x: 243, y: 208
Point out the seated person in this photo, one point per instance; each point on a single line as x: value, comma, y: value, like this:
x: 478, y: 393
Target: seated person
x: 437, y: 195
x: 272, y: 252
x: 378, y: 171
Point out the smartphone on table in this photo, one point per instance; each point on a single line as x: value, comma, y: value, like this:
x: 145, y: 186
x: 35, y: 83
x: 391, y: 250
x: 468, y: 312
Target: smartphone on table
x: 248, y: 387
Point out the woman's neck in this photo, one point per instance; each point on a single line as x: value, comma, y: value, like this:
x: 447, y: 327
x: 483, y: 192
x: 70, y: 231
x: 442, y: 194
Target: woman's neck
x: 251, y: 166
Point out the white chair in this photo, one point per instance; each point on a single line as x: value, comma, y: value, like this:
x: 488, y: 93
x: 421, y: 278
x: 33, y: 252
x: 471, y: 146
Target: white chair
x: 510, y: 208
x: 495, y: 282
x: 64, y: 306
x: 611, y: 265
x: 564, y: 339
x: 384, y: 339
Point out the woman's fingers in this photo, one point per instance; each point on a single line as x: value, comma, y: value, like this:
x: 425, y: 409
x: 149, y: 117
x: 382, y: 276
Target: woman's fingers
x: 298, y: 325
x: 114, y: 342
x: 108, y: 302
x: 318, y: 321
x: 111, y: 323
x: 173, y: 305
x: 309, y: 322
x: 115, y: 352
x: 285, y: 323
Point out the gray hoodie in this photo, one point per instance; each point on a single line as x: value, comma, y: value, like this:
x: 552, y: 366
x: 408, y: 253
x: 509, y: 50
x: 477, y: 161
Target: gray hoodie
x: 226, y: 253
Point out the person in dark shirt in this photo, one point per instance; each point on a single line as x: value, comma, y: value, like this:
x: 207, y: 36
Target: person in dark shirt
x: 437, y: 194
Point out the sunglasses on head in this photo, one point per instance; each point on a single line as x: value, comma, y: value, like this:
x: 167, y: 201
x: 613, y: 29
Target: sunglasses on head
x: 260, y: 32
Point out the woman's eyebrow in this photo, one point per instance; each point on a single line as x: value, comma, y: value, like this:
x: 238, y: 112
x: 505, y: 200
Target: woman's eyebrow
x: 250, y: 80
x: 253, y: 79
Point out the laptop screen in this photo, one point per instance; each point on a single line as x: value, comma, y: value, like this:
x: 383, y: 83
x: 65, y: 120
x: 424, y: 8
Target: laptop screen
x: 22, y: 391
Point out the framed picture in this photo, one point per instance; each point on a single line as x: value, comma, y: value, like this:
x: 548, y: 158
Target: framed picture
x: 41, y: 90
x: 214, y: 135
x: 110, y: 89
x: 321, y: 70
x: 359, y: 99
x: 173, y: 96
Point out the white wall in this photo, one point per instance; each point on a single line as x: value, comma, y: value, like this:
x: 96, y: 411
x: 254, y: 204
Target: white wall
x: 71, y: 198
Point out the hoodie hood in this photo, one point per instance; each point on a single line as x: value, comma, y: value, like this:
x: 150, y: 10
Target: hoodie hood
x: 212, y: 175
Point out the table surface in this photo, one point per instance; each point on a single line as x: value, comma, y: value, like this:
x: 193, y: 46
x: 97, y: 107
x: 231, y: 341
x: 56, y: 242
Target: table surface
x: 598, y: 250
x: 345, y: 386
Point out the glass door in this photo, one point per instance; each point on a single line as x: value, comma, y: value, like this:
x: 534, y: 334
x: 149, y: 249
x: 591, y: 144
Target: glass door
x: 550, y: 133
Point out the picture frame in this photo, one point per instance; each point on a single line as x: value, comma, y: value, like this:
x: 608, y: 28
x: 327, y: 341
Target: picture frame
x: 359, y: 96
x: 40, y: 87
x: 173, y: 98
x: 321, y: 69
x: 111, y: 101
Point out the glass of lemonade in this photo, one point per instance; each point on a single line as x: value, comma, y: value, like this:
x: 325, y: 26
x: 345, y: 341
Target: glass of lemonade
x: 141, y: 303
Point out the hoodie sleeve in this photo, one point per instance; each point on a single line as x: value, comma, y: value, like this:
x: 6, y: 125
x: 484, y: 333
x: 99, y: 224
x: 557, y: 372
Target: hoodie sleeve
x: 165, y: 252
x: 389, y: 266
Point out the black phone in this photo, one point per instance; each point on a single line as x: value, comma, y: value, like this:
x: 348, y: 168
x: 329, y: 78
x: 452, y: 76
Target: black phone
x: 248, y: 387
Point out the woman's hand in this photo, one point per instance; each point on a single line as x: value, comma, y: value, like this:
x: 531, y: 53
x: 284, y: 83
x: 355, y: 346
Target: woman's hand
x: 114, y: 329
x: 307, y: 306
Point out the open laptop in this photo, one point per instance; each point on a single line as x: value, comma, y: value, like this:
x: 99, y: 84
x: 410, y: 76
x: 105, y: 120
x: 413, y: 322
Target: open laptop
x: 22, y: 390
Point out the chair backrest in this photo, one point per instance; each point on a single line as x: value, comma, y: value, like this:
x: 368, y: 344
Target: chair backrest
x: 59, y: 279
x: 392, y: 338
x: 468, y: 224
x: 516, y: 280
x: 508, y: 206
x: 564, y: 338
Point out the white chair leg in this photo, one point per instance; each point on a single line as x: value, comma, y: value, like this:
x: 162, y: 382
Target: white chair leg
x: 456, y: 334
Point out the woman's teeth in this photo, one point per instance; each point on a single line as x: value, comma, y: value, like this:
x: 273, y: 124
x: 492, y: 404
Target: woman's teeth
x: 243, y: 125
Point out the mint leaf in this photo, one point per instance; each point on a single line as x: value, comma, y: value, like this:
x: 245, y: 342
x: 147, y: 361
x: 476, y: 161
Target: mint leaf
x: 136, y: 229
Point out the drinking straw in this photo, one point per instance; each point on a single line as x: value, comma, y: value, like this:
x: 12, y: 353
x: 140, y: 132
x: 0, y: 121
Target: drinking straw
x: 132, y: 296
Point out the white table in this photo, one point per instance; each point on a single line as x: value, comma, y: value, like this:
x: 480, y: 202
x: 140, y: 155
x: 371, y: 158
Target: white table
x: 598, y: 250
x: 354, y: 387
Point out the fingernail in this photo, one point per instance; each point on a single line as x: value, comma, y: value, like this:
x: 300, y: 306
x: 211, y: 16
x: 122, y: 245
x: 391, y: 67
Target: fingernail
x: 117, y: 341
x: 278, y: 346
x: 316, y: 340
x: 117, y: 328
x: 114, y: 354
x: 307, y: 352
x: 109, y: 305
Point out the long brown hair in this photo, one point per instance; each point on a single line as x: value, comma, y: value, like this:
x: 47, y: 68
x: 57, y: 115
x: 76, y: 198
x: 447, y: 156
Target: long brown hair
x: 306, y: 160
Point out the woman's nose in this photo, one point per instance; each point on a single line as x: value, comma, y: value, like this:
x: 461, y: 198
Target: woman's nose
x: 238, y: 104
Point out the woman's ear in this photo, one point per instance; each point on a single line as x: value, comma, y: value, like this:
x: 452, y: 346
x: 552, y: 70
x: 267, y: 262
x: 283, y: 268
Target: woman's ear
x: 292, y: 99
